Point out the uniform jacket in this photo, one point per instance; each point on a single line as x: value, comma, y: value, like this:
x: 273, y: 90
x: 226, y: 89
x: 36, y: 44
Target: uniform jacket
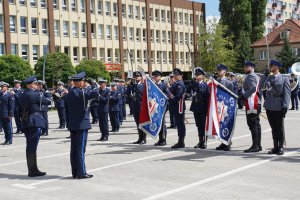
x: 200, y: 96
x: 7, y: 105
x: 103, y: 100
x: 47, y: 95
x: 227, y: 83
x: 31, y: 102
x: 136, y: 92
x: 114, y: 101
x: 278, y: 92
x: 58, y: 99
x: 77, y: 100
x: 251, y: 93
x: 16, y: 95
x: 177, y: 90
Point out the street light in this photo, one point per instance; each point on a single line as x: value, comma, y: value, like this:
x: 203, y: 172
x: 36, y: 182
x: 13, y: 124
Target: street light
x: 267, y: 43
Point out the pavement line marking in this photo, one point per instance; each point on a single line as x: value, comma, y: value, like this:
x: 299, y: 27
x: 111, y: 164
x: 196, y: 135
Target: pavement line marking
x: 219, y: 176
x: 61, y: 140
x: 32, y: 185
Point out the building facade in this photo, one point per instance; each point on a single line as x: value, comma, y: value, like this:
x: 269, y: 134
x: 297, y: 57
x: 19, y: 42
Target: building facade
x: 278, y: 11
x: 290, y: 30
x: 130, y: 34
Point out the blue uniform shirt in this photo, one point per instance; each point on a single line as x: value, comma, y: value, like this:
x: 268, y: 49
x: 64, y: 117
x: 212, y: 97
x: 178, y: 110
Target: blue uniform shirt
x: 103, y: 100
x: 200, y: 95
x: 177, y: 90
x: 114, y: 101
x: 7, y: 105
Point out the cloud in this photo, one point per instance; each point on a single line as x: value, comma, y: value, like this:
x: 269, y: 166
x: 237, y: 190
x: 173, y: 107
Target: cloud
x: 211, y: 17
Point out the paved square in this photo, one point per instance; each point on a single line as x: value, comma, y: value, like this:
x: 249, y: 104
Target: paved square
x: 133, y: 172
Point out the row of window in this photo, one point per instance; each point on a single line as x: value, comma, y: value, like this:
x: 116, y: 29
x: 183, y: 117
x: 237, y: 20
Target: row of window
x: 68, y: 29
x: 111, y: 9
x: 264, y: 54
x: 106, y: 55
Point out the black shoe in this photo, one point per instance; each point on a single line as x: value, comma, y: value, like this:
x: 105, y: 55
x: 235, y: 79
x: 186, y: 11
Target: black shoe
x: 36, y: 173
x: 178, y: 145
x: 116, y: 131
x: 85, y: 176
x: 74, y: 176
x: 161, y: 143
x: 260, y: 148
x: 111, y: 131
x: 6, y: 143
x: 280, y: 151
x: 227, y: 147
x: 273, y: 151
x: 94, y: 122
x: 252, y: 149
x: 69, y: 137
x: 17, y: 132
x: 137, y: 142
x: 103, y: 139
x: 221, y: 147
x: 292, y: 109
x: 171, y: 127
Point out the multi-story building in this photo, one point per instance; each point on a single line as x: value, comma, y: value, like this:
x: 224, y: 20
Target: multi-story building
x: 151, y: 34
x: 278, y: 11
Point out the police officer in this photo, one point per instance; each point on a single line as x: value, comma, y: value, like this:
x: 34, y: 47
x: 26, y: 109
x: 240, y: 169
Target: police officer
x: 294, y: 92
x: 177, y: 105
x: 17, y: 91
x: 251, y: 96
x: 79, y: 123
x: 122, y: 84
x: 33, y: 121
x: 94, y: 112
x: 69, y: 87
x: 162, y: 141
x: 42, y: 88
x: 121, y: 90
x: 136, y: 92
x: 114, y: 107
x: 60, y: 104
x: 221, y: 78
x: 232, y: 78
x: 278, y: 94
x: 103, y: 105
x: 7, y: 106
x: 172, y: 119
x: 200, y: 95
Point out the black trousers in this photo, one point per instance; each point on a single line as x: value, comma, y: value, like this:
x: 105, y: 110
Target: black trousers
x: 276, y: 121
x: 253, y: 122
x: 114, y: 120
x: 62, y: 116
x: 179, y: 123
x: 163, y: 131
x: 200, y: 119
x: 294, y: 99
x: 94, y: 113
x: 103, y: 124
x: 32, y: 139
x: 17, y: 115
x: 172, y: 120
x: 45, y: 114
x: 7, y: 128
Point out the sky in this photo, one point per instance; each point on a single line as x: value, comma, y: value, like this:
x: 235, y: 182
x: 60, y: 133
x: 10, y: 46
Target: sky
x: 212, y: 7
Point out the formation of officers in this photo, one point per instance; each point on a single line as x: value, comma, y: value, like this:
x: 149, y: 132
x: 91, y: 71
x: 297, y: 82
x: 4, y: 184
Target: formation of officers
x: 82, y: 98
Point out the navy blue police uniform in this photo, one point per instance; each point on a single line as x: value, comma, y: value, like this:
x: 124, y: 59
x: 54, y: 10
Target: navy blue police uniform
x: 7, y: 106
x: 294, y: 93
x: 136, y: 92
x: 177, y: 105
x: 60, y: 105
x: 17, y: 111
x: 93, y: 109
x: 45, y: 108
x: 123, y: 100
x: 162, y: 141
x: 200, y: 96
x: 33, y: 121
x: 103, y: 105
x: 114, y: 109
x: 172, y: 119
x: 79, y: 124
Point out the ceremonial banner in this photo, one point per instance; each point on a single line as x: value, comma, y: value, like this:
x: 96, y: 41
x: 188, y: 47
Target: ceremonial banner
x: 221, y: 115
x: 154, y: 104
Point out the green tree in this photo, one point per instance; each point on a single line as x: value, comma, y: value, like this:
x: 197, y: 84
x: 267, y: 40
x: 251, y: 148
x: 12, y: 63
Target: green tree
x: 258, y: 19
x: 58, y: 67
x: 215, y: 48
x: 13, y: 67
x: 286, y: 55
x: 94, y: 69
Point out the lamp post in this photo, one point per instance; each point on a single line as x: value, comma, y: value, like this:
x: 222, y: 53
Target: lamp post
x: 266, y: 37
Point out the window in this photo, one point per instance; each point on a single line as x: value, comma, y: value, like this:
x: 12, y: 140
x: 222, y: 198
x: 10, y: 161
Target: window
x: 191, y: 38
x: 93, y: 30
x: 75, y: 54
x: 44, y: 26
x: 163, y: 16
x: 33, y: 3
x: 180, y: 18
x: 158, y: 56
x: 164, y: 57
x: 157, y: 15
x: 144, y: 35
x: 123, y: 10
x: 296, y: 51
x: 22, y: 2
x: 181, y: 38
x: 82, y: 5
x: 45, y: 49
x: 75, y: 29
x: 124, y: 33
x: 138, y: 56
x: 132, y: 56
x: 1, y: 49
x: 163, y: 36
x: 14, y: 49
x: 115, y: 9
x: 55, y: 4
x: 66, y: 28
x: 100, y: 7
x: 151, y: 14
x: 143, y: 13
x: 181, y: 58
x: 187, y: 58
x: 108, y: 32
x: 94, y: 53
x: 12, y: 22
x: 157, y: 36
x: 175, y: 17
x: 73, y: 5
x: 64, y: 4
x: 43, y: 4
x: 102, y: 54
x: 117, y: 55
x: 1, y: 23
x: 151, y: 35
x: 84, y: 50
x: 137, y: 12
x: 11, y: 1
x: 170, y: 57
x: 169, y: 36
x: 186, y: 17
x: 35, y: 52
x: 83, y: 29
x: 107, y: 8
x: 66, y: 50
x: 56, y: 27
x: 109, y: 55
x: 100, y: 31
x: 191, y: 19
x: 129, y: 11
x: 176, y: 37
x: 23, y: 22
x: 57, y: 48
x: 138, y: 34
x: 186, y: 38
x: 24, y: 52
x: 145, y: 56
x: 92, y: 6
x: 169, y: 16
x: 131, y: 33
x: 263, y: 55
x: 116, y: 32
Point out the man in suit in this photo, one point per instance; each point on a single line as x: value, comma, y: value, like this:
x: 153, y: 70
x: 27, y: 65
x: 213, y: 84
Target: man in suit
x: 114, y: 107
x: 103, y: 105
x: 79, y: 123
x: 278, y: 97
x: 17, y: 113
x: 60, y: 104
x: 251, y: 97
x: 200, y: 95
x: 33, y: 121
x: 7, y: 107
x: 221, y: 78
x: 162, y: 141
